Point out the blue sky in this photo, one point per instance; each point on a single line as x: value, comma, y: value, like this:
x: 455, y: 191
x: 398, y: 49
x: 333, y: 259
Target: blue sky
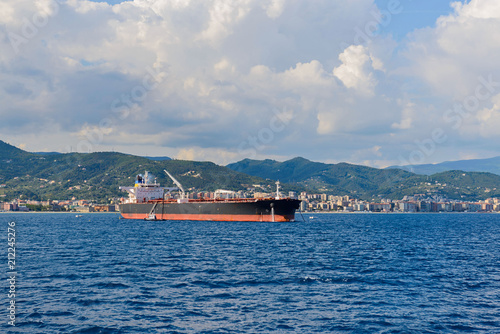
x: 416, y: 14
x: 226, y: 80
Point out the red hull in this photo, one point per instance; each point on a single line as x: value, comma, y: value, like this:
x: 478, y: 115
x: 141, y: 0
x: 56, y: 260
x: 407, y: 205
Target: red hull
x: 213, y: 217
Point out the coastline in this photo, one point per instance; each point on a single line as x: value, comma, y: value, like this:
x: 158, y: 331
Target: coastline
x: 373, y: 212
x: 304, y: 213
x: 63, y: 212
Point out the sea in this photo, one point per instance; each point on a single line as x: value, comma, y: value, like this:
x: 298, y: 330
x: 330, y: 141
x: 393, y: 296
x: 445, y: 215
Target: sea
x: 325, y: 273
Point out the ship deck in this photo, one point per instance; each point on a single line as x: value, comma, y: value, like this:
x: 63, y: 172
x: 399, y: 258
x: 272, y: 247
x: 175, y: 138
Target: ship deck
x: 213, y: 200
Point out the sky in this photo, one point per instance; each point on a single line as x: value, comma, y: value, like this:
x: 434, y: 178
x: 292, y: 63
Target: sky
x: 371, y: 82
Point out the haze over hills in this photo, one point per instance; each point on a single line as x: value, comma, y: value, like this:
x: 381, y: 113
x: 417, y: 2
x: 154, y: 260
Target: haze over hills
x: 490, y: 165
x: 99, y: 175
x: 366, y: 182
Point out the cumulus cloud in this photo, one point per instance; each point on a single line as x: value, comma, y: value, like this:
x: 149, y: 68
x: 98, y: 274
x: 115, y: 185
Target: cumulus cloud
x: 356, y: 69
x: 485, y: 123
x: 205, y: 79
x: 406, y: 117
x: 483, y: 9
x: 461, y: 47
x: 275, y: 8
x: 456, y: 64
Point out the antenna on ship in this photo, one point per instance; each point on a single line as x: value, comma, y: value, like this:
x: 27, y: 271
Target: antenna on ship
x: 278, y: 189
x: 177, y: 183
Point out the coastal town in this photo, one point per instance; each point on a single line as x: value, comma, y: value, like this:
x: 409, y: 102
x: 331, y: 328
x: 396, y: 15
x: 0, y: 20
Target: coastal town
x: 309, y: 203
x: 416, y: 203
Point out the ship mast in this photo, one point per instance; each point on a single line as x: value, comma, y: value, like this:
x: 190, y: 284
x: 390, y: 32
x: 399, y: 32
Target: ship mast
x: 278, y: 190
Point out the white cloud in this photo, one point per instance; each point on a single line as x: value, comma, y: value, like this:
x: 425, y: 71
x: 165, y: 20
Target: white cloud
x: 440, y: 69
x: 275, y: 8
x: 328, y: 122
x: 223, y: 15
x: 463, y: 46
x: 204, y: 154
x: 485, y: 123
x: 356, y: 69
x: 406, y: 117
x: 305, y: 75
x: 482, y: 9
x: 224, y: 67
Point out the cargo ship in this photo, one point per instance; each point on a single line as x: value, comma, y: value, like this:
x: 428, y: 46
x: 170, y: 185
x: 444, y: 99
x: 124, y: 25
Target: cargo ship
x: 149, y: 201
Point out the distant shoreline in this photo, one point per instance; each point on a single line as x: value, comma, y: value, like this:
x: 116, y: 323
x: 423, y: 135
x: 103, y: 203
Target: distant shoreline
x: 297, y: 213
x: 371, y: 212
x: 65, y: 212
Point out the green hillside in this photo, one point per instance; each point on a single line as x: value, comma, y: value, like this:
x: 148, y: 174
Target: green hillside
x: 294, y: 170
x: 97, y: 176
x: 339, y: 178
x: 368, y: 183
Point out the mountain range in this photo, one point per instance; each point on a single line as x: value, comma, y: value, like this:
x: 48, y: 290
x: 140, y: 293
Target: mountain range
x: 98, y: 176
x: 367, y: 182
x: 491, y: 165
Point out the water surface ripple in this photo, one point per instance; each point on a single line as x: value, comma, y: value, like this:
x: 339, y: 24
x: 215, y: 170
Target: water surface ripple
x: 367, y: 273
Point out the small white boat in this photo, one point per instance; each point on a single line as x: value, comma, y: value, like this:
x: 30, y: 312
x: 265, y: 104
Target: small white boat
x: 151, y: 216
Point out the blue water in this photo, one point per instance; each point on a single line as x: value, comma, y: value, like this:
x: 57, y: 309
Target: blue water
x: 363, y: 273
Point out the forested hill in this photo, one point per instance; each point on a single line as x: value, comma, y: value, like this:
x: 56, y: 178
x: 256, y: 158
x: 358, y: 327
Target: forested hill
x: 367, y: 182
x: 98, y: 176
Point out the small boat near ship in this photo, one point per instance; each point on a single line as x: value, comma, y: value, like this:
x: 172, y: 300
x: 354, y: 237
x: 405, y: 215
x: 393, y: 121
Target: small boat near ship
x: 147, y: 200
